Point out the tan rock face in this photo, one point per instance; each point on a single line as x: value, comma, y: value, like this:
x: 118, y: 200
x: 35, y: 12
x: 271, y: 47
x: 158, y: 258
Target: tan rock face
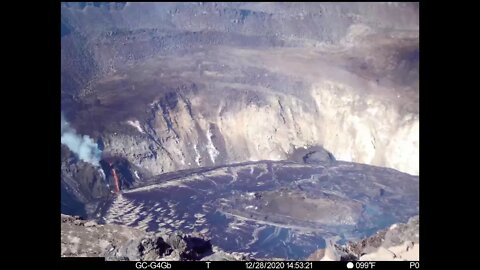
x: 317, y: 255
x: 193, y: 85
x: 408, y: 251
x: 80, y: 238
x: 366, y: 128
x: 230, y: 118
x: 355, y: 127
x: 400, y: 242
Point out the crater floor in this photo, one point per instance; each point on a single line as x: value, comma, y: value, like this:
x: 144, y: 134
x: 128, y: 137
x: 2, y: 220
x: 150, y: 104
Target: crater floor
x: 270, y: 208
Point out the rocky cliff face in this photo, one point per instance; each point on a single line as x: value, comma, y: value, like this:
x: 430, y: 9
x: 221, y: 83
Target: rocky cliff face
x: 83, y: 238
x: 192, y: 85
x: 399, y: 242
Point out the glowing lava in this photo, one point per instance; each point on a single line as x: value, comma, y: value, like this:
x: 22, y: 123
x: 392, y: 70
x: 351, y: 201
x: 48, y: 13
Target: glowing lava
x: 117, y: 189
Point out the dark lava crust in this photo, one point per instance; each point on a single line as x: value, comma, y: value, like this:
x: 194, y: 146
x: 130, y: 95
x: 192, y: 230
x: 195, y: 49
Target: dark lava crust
x: 271, y: 209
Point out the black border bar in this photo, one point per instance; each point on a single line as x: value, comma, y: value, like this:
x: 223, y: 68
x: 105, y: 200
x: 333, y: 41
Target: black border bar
x: 100, y: 263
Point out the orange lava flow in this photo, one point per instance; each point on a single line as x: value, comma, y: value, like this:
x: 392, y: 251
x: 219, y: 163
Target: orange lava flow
x: 117, y: 189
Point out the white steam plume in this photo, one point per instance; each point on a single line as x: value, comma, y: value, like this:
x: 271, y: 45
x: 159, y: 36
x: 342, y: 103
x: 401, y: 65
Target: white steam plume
x: 102, y: 174
x: 83, y: 146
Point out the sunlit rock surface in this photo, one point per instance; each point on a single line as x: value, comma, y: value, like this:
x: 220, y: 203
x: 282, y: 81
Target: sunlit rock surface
x: 184, y: 85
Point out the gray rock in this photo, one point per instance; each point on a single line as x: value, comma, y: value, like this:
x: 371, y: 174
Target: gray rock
x: 395, y: 235
x: 176, y: 242
x: 401, y: 233
x: 196, y: 248
x: 224, y: 256
x: 190, y: 247
x: 318, y: 157
x: 312, y: 155
x: 122, y: 243
x: 131, y: 250
x: 90, y: 223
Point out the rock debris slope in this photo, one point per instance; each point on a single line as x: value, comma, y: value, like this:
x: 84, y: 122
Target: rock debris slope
x: 178, y: 87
